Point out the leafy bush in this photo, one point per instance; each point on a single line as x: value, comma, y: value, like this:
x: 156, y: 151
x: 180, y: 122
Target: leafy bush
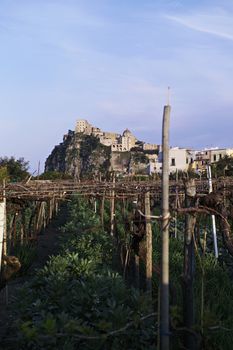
x: 77, y: 300
x: 14, y: 169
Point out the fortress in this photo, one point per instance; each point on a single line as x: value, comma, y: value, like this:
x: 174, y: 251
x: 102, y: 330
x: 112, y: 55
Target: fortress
x: 126, y: 151
x: 118, y: 143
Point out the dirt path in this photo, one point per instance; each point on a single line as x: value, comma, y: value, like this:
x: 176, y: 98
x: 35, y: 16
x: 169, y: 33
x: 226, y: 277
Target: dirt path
x: 48, y: 244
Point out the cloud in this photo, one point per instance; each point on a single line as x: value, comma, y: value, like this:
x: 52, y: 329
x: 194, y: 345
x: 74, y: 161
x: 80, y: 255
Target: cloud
x: 218, y: 23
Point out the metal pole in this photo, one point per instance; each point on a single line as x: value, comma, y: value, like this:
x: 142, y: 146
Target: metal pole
x: 214, y: 232
x: 164, y: 295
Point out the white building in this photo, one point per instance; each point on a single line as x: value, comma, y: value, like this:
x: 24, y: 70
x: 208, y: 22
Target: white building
x: 105, y: 141
x: 218, y: 154
x: 180, y: 159
x: 128, y: 140
x: 150, y: 147
x: 211, y: 155
x: 97, y: 132
x: 118, y: 143
x: 83, y: 126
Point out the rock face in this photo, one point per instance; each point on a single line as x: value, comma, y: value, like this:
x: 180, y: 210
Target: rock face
x: 83, y: 156
x: 79, y: 156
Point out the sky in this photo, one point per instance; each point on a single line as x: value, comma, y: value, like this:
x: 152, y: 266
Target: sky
x: 110, y: 62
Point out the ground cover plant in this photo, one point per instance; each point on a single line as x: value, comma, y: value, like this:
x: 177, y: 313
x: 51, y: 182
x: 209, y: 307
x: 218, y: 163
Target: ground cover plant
x: 77, y: 300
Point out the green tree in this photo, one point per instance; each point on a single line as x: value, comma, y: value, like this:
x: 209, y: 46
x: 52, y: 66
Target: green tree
x: 3, y: 173
x: 224, y: 167
x: 14, y: 169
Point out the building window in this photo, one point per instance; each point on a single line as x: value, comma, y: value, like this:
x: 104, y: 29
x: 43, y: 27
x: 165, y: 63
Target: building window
x: 214, y: 157
x: 187, y: 161
x: 173, y: 162
x: 220, y: 156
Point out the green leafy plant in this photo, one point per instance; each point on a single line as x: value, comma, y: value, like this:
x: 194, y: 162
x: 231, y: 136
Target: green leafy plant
x: 77, y: 300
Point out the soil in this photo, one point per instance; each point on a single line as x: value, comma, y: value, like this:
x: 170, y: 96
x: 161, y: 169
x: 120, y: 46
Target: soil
x: 47, y: 245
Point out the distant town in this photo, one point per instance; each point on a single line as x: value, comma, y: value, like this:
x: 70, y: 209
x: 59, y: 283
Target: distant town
x: 181, y: 159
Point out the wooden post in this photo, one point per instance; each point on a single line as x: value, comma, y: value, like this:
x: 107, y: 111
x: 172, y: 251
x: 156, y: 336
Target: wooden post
x: 164, y: 295
x: 148, y: 245
x: 30, y: 225
x: 39, y: 217
x: 5, y: 222
x: 44, y: 215
x: 136, y: 260
x: 224, y: 194
x: 102, y: 211
x: 188, y: 273
x: 22, y: 227
x: 15, y: 228
x: 51, y: 208
x: 2, y: 229
x: 176, y: 203
x: 56, y: 207
x: 11, y: 225
x: 112, y: 208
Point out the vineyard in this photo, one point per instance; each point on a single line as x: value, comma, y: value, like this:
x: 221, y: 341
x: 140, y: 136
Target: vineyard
x: 116, y: 229
x: 101, y: 290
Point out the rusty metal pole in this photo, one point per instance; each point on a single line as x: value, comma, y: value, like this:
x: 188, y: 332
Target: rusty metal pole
x: 164, y: 295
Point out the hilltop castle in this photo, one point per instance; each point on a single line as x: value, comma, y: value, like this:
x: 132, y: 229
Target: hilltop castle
x: 118, y: 143
x: 126, y: 153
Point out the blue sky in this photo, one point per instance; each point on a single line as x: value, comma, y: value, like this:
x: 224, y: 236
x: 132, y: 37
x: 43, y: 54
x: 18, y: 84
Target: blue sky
x: 110, y: 61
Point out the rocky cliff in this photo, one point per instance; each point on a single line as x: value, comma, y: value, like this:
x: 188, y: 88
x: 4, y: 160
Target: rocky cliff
x: 79, y: 156
x: 83, y: 156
